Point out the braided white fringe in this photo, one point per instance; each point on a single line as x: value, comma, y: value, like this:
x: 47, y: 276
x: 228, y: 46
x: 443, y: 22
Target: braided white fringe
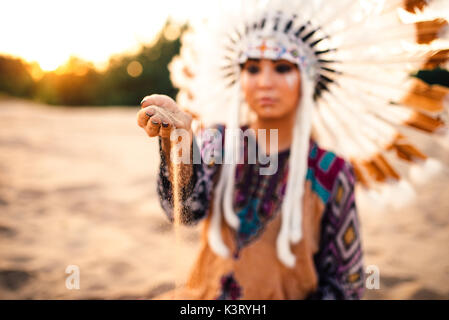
x: 224, y: 190
x: 291, y: 225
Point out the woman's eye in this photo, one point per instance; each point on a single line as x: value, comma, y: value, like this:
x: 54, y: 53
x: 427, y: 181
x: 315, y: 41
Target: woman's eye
x: 253, y: 69
x: 283, y: 68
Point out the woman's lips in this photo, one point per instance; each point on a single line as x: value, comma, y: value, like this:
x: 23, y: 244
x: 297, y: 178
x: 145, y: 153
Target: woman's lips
x: 267, y: 101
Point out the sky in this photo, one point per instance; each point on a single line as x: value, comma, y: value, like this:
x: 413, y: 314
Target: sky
x: 50, y: 31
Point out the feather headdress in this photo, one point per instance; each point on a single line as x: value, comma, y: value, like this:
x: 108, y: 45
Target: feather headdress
x: 358, y: 96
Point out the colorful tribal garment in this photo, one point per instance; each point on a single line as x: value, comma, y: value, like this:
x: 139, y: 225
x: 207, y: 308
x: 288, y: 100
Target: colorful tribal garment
x: 329, y: 256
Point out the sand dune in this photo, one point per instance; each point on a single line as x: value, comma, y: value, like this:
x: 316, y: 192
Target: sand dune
x: 77, y: 187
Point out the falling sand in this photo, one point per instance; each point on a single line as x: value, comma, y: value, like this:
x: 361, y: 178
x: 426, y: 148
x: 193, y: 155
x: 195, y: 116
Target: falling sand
x: 178, y: 179
x: 176, y: 215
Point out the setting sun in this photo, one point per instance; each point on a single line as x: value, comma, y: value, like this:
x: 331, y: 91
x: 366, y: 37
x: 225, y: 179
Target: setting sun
x: 49, y: 62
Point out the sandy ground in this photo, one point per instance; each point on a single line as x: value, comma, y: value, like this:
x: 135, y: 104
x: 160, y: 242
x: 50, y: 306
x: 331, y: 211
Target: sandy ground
x: 78, y: 187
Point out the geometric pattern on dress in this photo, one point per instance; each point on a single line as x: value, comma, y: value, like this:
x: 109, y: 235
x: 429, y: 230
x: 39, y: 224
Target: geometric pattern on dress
x: 339, y: 261
x: 346, y: 238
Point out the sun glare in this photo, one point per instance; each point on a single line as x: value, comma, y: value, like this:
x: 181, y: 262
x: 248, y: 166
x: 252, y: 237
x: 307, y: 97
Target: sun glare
x: 49, y: 32
x: 49, y: 63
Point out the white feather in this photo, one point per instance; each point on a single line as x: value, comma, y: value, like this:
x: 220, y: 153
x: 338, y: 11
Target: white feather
x: 421, y: 173
x: 303, y: 128
x: 398, y: 195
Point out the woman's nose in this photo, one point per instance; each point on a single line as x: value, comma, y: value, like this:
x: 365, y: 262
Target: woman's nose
x: 265, y: 78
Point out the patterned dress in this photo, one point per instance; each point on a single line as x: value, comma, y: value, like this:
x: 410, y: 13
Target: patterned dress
x: 329, y: 262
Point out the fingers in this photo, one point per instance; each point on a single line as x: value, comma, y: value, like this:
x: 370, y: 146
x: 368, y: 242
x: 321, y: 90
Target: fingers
x: 168, y: 117
x: 158, y: 125
x: 156, y: 122
x: 166, y: 129
x: 162, y: 115
x: 160, y: 101
x: 144, y: 115
x: 159, y: 115
x: 153, y: 126
x: 167, y: 108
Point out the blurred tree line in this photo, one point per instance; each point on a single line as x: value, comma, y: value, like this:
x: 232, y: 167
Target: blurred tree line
x: 125, y: 81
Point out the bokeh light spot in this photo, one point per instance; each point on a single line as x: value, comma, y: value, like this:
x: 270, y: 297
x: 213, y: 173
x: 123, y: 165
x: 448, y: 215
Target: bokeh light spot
x: 134, y: 69
x: 172, y: 32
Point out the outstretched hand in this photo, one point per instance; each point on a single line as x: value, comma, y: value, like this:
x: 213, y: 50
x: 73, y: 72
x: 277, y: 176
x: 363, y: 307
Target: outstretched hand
x: 160, y: 114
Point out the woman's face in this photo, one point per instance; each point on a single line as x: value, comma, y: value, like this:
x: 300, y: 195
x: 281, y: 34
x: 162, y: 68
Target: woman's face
x: 271, y: 87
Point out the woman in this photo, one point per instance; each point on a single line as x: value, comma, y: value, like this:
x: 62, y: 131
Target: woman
x: 326, y: 268
x: 294, y: 233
